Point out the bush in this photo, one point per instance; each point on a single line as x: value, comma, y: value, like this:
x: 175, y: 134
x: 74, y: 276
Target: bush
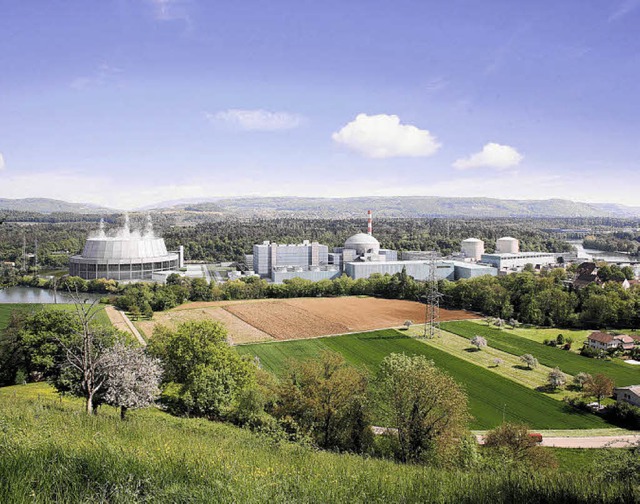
x: 623, y: 415
x: 587, y: 351
x: 577, y: 404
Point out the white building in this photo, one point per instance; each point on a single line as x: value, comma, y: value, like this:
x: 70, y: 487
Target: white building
x: 267, y: 256
x: 507, y: 245
x: 630, y: 394
x: 517, y: 261
x: 472, y: 248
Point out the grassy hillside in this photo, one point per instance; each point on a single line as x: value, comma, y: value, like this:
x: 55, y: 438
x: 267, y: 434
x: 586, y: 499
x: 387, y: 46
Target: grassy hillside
x: 491, y: 396
x: 51, y: 452
x: 621, y: 373
x: 6, y: 309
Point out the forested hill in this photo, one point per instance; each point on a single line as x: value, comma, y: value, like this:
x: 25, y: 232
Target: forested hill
x: 333, y: 208
x: 415, y: 206
x: 47, y: 206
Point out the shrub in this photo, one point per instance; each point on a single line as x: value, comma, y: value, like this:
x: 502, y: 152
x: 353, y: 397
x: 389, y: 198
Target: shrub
x: 623, y: 415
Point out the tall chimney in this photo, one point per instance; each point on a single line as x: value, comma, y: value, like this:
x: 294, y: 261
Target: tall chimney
x: 369, y: 223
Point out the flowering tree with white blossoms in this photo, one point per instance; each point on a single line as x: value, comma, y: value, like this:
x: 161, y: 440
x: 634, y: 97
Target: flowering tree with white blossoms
x: 132, y: 378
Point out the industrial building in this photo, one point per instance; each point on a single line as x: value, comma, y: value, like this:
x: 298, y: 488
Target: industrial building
x: 419, y: 270
x: 472, y: 248
x: 313, y: 273
x: 267, y: 256
x: 128, y: 255
x: 516, y: 261
x: 360, y: 257
x: 464, y: 269
x: 507, y: 245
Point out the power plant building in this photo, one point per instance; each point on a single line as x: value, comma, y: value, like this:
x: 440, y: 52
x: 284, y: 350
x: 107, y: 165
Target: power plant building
x: 472, y: 248
x: 419, y: 270
x: 125, y: 256
x: 269, y: 256
x: 463, y: 269
x: 507, y: 245
x: 508, y: 261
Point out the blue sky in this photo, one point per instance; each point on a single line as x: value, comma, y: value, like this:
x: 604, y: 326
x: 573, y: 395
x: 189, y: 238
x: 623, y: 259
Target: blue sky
x: 130, y: 102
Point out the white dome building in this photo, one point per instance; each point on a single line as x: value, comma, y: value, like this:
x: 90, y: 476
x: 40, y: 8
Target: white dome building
x: 363, y: 244
x: 126, y: 256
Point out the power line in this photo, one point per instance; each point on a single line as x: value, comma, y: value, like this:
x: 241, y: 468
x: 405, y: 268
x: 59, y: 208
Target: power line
x: 432, y: 301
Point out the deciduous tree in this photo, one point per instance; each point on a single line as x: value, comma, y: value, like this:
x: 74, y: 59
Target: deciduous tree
x: 133, y: 378
x: 425, y: 404
x: 598, y: 386
x: 529, y: 360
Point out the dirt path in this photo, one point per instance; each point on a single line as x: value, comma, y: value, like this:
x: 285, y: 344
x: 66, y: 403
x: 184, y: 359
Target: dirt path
x: 120, y: 321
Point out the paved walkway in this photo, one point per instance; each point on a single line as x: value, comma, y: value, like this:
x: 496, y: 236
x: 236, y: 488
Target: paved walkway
x: 592, y: 442
x: 625, y: 441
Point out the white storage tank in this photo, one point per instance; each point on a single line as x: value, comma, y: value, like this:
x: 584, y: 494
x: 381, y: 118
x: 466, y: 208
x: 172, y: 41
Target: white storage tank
x: 507, y: 245
x: 473, y: 248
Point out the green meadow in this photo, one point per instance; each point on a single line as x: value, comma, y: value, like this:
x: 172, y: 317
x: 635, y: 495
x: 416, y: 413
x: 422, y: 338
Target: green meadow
x: 7, y: 308
x: 492, y: 397
x: 621, y: 373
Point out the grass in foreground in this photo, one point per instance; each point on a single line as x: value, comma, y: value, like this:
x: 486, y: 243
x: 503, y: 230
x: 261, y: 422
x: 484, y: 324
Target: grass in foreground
x: 491, y: 397
x: 51, y: 452
x: 569, y: 362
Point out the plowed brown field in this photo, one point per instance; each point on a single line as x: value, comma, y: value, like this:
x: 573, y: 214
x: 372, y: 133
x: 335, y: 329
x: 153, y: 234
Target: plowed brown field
x: 239, y: 331
x: 263, y: 320
x: 311, y: 317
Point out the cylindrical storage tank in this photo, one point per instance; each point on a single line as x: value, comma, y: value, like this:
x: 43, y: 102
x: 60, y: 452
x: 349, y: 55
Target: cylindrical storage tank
x: 473, y: 248
x: 507, y: 245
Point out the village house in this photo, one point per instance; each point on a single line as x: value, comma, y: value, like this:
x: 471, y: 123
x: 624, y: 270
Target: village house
x: 604, y: 341
x: 630, y: 394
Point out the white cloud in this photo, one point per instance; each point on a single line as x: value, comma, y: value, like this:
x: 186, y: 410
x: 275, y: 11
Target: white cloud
x: 492, y: 155
x: 257, y: 119
x: 1, y: 161
x: 382, y: 136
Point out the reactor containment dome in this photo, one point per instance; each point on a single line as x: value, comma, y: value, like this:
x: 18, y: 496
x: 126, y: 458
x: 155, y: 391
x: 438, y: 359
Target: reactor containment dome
x: 128, y: 255
x: 363, y: 244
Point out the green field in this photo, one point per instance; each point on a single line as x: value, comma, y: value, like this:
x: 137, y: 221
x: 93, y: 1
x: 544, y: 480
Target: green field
x: 540, y: 334
x: 51, y: 452
x: 569, y: 362
x: 6, y: 309
x: 491, y: 396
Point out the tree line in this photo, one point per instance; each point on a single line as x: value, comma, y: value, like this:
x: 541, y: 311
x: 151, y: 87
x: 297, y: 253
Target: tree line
x: 546, y: 300
x: 229, y: 239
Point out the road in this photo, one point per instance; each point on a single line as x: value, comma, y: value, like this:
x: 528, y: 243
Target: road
x: 592, y: 442
x: 625, y: 441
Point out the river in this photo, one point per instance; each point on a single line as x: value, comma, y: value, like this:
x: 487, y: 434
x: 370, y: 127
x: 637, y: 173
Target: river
x: 39, y: 296
x: 599, y: 255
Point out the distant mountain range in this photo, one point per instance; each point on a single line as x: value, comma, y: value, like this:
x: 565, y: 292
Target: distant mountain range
x: 47, y: 206
x: 410, y: 206
x: 395, y: 206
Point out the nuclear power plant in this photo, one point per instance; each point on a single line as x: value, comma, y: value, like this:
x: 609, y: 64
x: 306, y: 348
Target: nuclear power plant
x: 124, y: 256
